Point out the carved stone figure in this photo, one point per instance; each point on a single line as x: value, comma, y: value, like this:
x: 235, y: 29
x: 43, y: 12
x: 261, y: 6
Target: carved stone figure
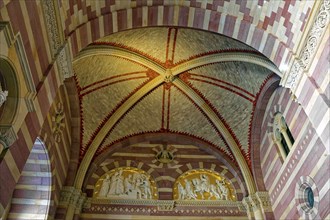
x: 214, y: 192
x: 113, y: 184
x: 146, y: 187
x: 189, y: 191
x: 128, y: 184
x: 120, y: 183
x: 182, y: 192
x: 201, y: 185
x: 105, y: 187
x: 224, y: 190
x: 137, y: 185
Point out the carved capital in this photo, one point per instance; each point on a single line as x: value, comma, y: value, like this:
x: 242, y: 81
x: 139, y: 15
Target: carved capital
x: 264, y: 200
x: 248, y: 206
x: 258, y: 201
x: 65, y: 195
x: 73, y: 197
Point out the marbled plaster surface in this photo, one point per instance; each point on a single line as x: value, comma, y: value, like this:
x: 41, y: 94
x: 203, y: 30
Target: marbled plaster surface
x: 192, y: 42
x: 244, y: 75
x: 95, y: 68
x: 234, y: 109
x: 185, y: 117
x: 145, y: 116
x: 107, y: 99
x: 150, y: 41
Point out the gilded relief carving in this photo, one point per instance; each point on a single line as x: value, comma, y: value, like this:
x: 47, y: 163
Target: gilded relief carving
x: 126, y: 183
x: 203, y: 185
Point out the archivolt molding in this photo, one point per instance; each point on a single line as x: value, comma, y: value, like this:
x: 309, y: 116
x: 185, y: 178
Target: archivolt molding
x: 226, y: 57
x: 123, y: 53
x: 180, y: 68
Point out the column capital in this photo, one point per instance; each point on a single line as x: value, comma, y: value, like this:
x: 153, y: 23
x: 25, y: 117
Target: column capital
x: 72, y: 197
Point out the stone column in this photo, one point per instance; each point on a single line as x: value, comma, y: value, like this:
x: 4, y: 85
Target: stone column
x: 277, y: 139
x: 286, y: 137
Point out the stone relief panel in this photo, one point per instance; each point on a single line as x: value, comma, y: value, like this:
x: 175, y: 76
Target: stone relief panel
x: 203, y: 184
x: 126, y: 183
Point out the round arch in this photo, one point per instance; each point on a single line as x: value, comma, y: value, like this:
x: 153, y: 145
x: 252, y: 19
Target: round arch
x: 256, y: 124
x: 172, y: 138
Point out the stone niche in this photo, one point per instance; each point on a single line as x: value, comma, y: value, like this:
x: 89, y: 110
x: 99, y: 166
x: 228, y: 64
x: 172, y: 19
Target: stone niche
x: 16, y: 81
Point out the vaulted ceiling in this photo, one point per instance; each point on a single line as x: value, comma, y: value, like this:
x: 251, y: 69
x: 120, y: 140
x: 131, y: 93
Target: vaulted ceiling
x: 169, y: 80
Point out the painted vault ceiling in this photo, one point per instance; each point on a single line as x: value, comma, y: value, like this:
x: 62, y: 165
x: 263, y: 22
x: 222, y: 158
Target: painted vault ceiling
x: 193, y: 75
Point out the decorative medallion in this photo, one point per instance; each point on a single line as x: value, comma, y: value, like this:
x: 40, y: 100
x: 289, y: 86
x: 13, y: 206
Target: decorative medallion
x: 203, y: 185
x: 165, y: 156
x: 168, y: 76
x: 126, y: 183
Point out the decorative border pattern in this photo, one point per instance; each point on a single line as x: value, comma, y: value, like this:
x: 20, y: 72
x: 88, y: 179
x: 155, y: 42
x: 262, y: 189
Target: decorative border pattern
x: 292, y: 78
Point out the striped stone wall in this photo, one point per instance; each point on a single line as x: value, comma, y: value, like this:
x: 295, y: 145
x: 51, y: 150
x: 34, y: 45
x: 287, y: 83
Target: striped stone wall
x: 11, y: 166
x: 274, y: 28
x: 27, y: 20
x: 313, y: 91
x: 308, y: 157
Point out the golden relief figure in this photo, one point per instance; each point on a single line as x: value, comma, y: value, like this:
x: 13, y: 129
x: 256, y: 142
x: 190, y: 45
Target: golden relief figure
x: 126, y: 183
x: 203, y: 184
